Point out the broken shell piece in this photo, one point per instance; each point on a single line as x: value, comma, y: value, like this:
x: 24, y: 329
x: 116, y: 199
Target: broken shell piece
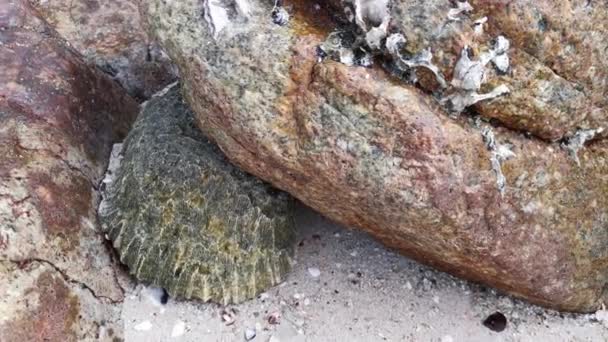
x: 501, y: 45
x: 454, y: 13
x: 371, y: 12
x: 394, y: 43
x: 459, y: 101
x: 478, y: 25
x: 274, y: 318
x: 217, y: 13
x: 332, y: 47
x: 502, y: 63
x: 374, y: 37
x: 468, y: 74
x: 250, y: 334
x: 280, y: 16
x: 228, y: 316
x: 424, y: 60
x: 498, y: 154
x: 575, y: 143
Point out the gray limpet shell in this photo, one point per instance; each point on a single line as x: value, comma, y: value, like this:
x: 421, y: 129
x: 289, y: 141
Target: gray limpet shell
x: 183, y: 218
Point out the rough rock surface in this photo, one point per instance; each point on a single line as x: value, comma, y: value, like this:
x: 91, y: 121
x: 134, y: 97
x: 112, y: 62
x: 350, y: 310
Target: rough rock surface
x: 485, y: 203
x: 58, y: 119
x: 110, y: 35
x: 183, y: 218
x: 555, y: 87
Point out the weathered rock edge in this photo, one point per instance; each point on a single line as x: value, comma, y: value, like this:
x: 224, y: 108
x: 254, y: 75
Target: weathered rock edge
x: 183, y: 218
x: 381, y: 156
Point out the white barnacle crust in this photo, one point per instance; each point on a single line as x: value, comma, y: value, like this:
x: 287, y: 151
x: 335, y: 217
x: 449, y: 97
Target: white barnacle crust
x: 460, y: 100
x: 498, y: 154
x: 454, y: 13
x: 280, y: 16
x: 423, y: 59
x: 576, y: 142
x: 371, y: 12
x: 217, y: 13
x: 394, y: 43
x: 470, y: 74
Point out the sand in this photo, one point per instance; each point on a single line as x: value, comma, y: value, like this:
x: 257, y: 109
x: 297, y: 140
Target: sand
x: 347, y: 287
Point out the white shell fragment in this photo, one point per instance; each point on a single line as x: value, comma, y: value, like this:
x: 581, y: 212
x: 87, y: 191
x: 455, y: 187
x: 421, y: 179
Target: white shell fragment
x: 470, y: 74
x: 498, y: 154
x: 280, y: 16
x: 178, y: 329
x: 216, y: 13
x: 462, y: 7
x: 578, y: 140
x: 314, y: 272
x: 143, y: 326
x: 478, y: 25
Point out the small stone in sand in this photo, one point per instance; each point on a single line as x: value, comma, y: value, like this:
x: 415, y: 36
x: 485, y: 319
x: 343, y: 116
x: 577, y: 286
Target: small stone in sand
x: 178, y: 329
x: 143, y: 326
x: 314, y: 272
x: 249, y: 334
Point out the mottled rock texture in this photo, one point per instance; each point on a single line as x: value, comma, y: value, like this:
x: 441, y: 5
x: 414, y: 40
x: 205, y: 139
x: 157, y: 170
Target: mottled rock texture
x: 183, y: 218
x: 373, y: 152
x: 110, y: 35
x: 558, y: 78
x: 58, y: 118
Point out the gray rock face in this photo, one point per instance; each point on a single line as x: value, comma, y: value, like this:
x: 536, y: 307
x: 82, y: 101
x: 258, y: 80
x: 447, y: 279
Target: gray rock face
x: 183, y: 218
x: 58, y: 120
x: 110, y: 35
x: 473, y: 197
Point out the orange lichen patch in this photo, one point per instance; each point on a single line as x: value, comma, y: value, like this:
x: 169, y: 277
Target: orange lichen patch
x: 310, y: 18
x: 54, y: 317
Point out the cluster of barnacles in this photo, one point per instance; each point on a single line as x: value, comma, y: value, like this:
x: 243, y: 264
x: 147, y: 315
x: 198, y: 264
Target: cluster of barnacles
x: 371, y: 20
x: 371, y: 37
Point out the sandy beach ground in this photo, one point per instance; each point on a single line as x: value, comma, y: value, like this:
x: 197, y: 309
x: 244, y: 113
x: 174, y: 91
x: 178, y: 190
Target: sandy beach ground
x: 347, y: 287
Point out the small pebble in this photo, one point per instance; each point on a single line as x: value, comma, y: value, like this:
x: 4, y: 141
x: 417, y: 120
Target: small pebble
x: 314, y: 272
x: 447, y: 338
x: 178, y: 329
x: 496, y: 322
x: 274, y: 318
x: 249, y: 334
x: 143, y: 326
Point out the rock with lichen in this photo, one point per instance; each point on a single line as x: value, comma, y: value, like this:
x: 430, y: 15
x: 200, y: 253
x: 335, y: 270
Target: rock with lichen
x: 58, y: 119
x: 473, y: 197
x: 183, y: 218
x: 110, y: 35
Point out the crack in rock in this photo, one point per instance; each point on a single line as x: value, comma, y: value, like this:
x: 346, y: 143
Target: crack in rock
x: 26, y: 262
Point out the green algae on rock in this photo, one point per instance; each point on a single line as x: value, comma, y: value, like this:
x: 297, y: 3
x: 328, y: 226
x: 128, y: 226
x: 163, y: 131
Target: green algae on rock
x: 183, y: 218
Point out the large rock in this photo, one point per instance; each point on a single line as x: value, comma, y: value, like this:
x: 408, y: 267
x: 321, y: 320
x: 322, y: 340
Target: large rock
x: 110, y: 35
x: 58, y: 119
x: 545, y: 100
x: 183, y: 218
x: 485, y: 203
